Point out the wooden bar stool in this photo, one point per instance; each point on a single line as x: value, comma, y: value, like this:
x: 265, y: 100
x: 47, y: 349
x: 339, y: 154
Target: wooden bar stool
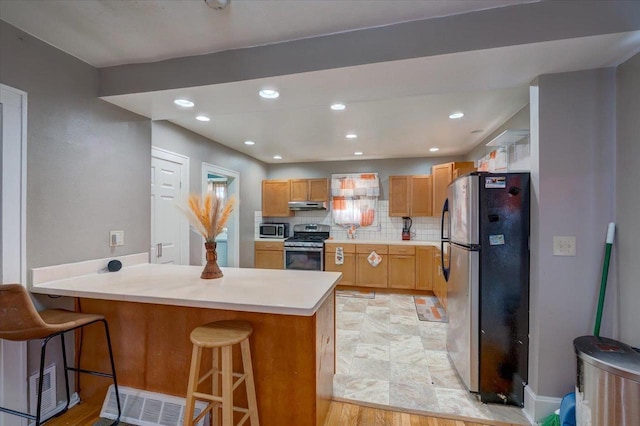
x: 221, y: 335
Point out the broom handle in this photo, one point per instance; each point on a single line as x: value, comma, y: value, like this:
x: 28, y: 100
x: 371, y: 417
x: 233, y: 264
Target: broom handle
x: 603, y: 280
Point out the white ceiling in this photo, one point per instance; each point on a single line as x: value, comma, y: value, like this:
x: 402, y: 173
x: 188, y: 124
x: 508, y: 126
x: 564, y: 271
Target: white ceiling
x: 398, y: 109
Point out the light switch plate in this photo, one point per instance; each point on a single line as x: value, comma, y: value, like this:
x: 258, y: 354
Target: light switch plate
x: 564, y: 246
x: 116, y: 238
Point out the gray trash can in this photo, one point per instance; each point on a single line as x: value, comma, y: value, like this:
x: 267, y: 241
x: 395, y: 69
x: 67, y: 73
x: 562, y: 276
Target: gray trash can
x: 608, y: 383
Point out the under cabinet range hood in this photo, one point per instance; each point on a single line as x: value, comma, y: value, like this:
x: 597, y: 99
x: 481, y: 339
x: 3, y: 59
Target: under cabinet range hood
x: 307, y: 205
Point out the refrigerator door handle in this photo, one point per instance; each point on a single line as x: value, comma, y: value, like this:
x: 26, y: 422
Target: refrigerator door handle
x: 445, y: 211
x: 445, y: 239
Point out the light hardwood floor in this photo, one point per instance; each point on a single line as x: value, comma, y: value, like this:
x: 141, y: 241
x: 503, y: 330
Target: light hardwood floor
x: 340, y: 414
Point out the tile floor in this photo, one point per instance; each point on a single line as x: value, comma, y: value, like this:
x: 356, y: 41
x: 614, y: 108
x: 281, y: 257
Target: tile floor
x: 386, y: 356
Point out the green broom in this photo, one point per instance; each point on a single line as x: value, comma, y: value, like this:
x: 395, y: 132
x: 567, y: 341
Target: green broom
x: 605, y: 272
x: 552, y: 419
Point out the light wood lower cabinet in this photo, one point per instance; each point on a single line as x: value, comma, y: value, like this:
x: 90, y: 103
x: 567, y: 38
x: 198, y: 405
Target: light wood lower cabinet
x: 424, y: 267
x: 402, y: 267
x: 368, y: 275
x: 405, y: 267
x: 269, y: 255
x: 348, y: 267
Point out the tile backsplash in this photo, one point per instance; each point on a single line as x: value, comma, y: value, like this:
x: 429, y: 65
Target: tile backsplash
x: 389, y: 228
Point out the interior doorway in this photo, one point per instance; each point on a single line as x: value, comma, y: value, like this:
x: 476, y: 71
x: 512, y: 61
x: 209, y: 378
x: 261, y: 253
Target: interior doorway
x: 224, y: 183
x: 169, y: 189
x: 13, y: 207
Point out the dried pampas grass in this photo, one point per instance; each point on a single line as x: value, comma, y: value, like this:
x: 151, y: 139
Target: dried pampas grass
x: 208, y: 215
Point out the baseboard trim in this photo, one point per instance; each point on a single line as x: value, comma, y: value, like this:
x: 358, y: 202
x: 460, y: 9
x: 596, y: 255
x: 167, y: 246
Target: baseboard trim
x: 537, y: 407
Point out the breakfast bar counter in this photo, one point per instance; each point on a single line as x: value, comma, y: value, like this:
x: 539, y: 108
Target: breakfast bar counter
x: 151, y: 310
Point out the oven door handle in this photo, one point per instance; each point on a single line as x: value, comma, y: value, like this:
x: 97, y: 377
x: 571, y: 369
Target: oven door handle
x: 308, y: 249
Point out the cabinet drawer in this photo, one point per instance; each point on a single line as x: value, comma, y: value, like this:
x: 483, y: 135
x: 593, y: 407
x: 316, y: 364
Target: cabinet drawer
x: 408, y: 250
x: 368, y: 248
x: 269, y: 245
x: 346, y: 248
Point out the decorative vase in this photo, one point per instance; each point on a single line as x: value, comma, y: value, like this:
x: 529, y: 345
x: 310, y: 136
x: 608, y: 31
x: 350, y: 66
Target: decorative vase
x: 211, y: 269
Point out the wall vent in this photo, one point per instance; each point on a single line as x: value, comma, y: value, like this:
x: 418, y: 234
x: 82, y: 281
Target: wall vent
x: 147, y: 408
x: 49, y: 401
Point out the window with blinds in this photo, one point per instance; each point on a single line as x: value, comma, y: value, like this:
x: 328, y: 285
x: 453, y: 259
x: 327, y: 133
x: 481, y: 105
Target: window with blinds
x: 354, y: 199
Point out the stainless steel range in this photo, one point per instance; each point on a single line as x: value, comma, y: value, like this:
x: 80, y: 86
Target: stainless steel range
x: 305, y: 250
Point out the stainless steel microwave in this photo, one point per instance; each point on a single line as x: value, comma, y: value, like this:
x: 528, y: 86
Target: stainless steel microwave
x: 274, y: 230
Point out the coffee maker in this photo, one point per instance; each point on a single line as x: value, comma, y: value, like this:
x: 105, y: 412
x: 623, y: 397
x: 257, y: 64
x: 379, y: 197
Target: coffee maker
x: 406, y: 228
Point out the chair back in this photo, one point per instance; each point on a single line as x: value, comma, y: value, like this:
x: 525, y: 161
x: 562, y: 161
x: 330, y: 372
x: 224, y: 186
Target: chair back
x: 19, y: 319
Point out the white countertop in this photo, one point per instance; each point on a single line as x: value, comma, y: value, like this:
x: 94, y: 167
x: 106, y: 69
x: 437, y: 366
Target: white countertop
x: 271, y: 291
x: 387, y: 242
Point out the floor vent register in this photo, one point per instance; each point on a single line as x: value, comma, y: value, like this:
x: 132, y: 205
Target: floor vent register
x: 147, y: 408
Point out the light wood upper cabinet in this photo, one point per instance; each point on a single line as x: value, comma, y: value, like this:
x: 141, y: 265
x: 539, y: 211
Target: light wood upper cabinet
x: 275, y: 198
x: 269, y: 255
x: 410, y: 195
x: 442, y: 175
x: 421, y: 196
x: 424, y: 267
x: 309, y: 189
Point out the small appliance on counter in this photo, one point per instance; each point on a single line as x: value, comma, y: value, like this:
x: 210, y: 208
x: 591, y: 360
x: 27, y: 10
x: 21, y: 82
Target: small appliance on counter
x: 406, y: 228
x: 274, y: 230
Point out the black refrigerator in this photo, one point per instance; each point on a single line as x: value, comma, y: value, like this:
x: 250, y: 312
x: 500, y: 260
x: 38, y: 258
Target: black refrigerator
x: 485, y: 255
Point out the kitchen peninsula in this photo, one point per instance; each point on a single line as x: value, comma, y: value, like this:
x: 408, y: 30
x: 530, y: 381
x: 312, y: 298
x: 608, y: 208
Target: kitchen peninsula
x: 151, y: 309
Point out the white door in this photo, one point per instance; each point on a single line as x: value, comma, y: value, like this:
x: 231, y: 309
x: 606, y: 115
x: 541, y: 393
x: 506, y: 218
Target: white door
x: 13, y: 151
x: 169, y: 227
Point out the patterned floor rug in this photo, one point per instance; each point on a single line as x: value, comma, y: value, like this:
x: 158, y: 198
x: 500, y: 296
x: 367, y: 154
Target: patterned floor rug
x: 430, y: 309
x: 356, y: 293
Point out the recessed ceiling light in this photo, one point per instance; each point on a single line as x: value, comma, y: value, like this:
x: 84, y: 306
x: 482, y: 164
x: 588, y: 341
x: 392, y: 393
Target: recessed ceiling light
x: 351, y: 136
x: 338, y: 107
x: 185, y: 103
x: 357, y: 153
x: 456, y: 115
x: 202, y: 118
x: 269, y: 93
x: 277, y: 157
x: 434, y: 149
x: 249, y: 143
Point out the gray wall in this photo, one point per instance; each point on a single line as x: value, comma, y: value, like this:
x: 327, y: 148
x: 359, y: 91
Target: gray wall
x: 200, y: 149
x: 384, y: 168
x: 87, y: 160
x: 573, y: 176
x: 87, y: 165
x: 625, y: 253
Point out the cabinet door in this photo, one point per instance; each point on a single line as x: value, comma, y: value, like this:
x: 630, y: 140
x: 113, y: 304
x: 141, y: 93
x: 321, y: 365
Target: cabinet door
x: 399, y: 195
x: 424, y: 268
x: 421, y: 196
x: 370, y: 276
x: 441, y: 175
x: 275, y: 198
x: 269, y: 259
x: 402, y: 271
x: 348, y: 268
x: 318, y: 189
x: 299, y: 189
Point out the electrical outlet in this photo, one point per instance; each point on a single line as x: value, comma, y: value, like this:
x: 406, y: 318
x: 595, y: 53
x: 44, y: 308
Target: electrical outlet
x: 116, y: 238
x: 564, y: 246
